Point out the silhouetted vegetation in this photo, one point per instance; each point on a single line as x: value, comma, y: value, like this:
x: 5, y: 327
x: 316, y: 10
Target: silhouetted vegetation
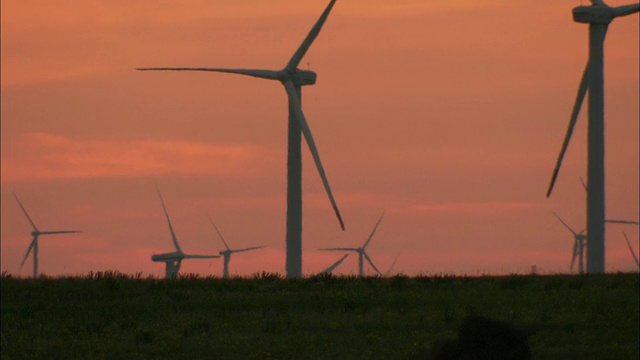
x: 112, y: 315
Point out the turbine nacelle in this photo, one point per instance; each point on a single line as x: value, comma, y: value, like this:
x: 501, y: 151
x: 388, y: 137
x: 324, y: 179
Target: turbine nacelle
x: 301, y: 77
x: 596, y: 14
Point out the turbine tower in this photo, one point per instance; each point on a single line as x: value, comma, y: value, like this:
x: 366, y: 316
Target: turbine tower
x: 227, y: 253
x: 362, y: 254
x: 598, y: 16
x: 173, y: 260
x: 293, y: 79
x: 579, y: 244
x: 34, y: 243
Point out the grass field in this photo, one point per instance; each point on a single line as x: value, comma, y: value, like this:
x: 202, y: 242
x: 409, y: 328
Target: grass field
x: 111, y: 316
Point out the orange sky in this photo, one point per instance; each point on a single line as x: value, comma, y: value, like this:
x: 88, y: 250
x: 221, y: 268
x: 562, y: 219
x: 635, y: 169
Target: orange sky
x: 447, y: 116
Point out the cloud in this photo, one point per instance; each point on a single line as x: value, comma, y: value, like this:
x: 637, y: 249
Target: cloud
x: 41, y: 156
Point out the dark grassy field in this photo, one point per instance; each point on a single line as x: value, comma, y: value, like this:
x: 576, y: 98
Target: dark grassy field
x: 110, y: 316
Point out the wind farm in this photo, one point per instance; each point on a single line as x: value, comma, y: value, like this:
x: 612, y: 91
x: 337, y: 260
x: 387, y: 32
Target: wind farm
x: 446, y: 115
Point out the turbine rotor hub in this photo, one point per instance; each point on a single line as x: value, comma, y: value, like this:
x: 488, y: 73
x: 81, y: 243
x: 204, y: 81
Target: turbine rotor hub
x: 301, y: 77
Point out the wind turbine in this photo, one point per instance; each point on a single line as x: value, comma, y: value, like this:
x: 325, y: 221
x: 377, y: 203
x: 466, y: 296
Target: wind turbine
x: 334, y: 266
x: 34, y: 243
x: 362, y: 254
x: 227, y: 253
x: 293, y: 79
x: 173, y: 260
x: 386, y: 274
x: 579, y: 244
x: 635, y: 258
x: 598, y: 16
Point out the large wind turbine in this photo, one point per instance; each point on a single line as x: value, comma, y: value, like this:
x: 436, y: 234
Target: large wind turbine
x: 34, y: 243
x: 293, y: 79
x: 362, y: 254
x: 598, y: 16
x: 227, y: 253
x: 173, y: 260
x: 579, y: 244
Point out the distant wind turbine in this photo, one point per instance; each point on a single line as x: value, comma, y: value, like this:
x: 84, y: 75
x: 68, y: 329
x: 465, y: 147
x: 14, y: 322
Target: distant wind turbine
x: 635, y: 258
x: 386, y: 274
x: 34, y: 243
x: 598, y: 16
x: 173, y: 260
x: 335, y: 265
x: 293, y: 79
x: 227, y: 253
x: 579, y: 244
x: 362, y: 254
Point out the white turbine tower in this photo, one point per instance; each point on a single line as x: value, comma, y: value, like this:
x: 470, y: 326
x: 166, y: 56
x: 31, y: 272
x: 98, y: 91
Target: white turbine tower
x: 598, y: 16
x: 226, y: 254
x: 293, y: 79
x: 579, y: 244
x: 173, y: 260
x: 635, y: 258
x: 34, y: 243
x: 362, y: 254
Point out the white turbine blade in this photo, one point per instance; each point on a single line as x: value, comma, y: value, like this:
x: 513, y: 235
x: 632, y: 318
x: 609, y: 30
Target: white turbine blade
x: 373, y: 232
x: 371, y: 263
x: 339, y: 249
x: 173, y: 234
x: 262, y: 74
x: 60, y: 232
x: 248, y: 249
x: 575, y: 253
x: 219, y: 234
x: 295, y: 101
x: 335, y: 265
x: 302, y: 50
x: 33, y: 243
x: 565, y: 225
x: 582, y: 90
x: 201, y: 256
x: 631, y: 249
x: 25, y: 212
x: 392, y: 265
x: 625, y: 10
x: 627, y: 222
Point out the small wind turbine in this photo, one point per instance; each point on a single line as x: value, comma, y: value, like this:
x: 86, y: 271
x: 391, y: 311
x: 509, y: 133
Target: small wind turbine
x: 173, y: 260
x: 227, y: 253
x: 335, y: 265
x: 598, y: 16
x: 635, y: 258
x: 293, y: 79
x: 362, y: 254
x: 34, y: 243
x: 579, y: 244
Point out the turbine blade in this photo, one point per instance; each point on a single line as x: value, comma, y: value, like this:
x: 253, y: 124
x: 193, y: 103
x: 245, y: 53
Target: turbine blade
x: 582, y: 90
x: 575, y: 253
x: 25, y: 212
x: 60, y: 232
x: 392, y: 265
x: 262, y: 74
x: 338, y: 249
x: 219, y: 234
x: 625, y: 10
x: 201, y: 256
x: 373, y: 232
x: 565, y: 225
x: 335, y: 265
x: 302, y: 50
x: 584, y: 184
x: 295, y: 101
x: 173, y: 234
x: 371, y: 263
x: 33, y: 243
x: 631, y: 249
x: 248, y: 249
x: 628, y: 222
